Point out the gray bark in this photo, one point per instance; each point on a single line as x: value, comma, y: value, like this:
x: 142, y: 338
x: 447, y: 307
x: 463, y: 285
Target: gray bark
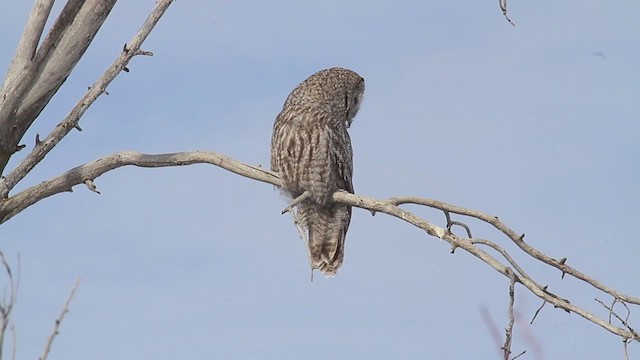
x: 35, y: 76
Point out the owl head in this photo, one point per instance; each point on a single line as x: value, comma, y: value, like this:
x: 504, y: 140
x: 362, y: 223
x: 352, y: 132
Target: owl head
x: 335, y: 92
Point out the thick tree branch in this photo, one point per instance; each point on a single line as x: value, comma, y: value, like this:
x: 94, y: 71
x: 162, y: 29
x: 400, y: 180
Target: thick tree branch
x: 94, y: 169
x: 33, y: 82
x: 43, y: 147
x: 30, y: 38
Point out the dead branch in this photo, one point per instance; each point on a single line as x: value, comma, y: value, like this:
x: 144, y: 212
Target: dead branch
x: 79, y: 175
x: 58, y: 322
x: 503, y: 8
x: 518, y: 239
x: 7, y: 302
x: 43, y: 147
x: 35, y: 76
x: 506, y: 348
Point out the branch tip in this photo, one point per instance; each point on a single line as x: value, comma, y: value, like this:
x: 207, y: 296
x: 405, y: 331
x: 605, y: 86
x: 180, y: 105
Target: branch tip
x: 503, y: 8
x: 544, y: 302
x: 453, y: 248
x: 144, y: 53
x: 296, y: 201
x: 91, y: 186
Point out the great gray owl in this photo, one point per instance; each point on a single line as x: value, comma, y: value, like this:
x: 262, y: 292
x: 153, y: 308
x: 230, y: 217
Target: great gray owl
x: 311, y: 150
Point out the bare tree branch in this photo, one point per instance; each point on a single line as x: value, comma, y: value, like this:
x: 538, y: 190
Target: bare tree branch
x: 506, y: 348
x: 7, y: 303
x: 518, y: 239
x: 503, y: 8
x: 30, y: 38
x: 623, y: 321
x: 58, y: 322
x: 43, y: 147
x: 35, y: 75
x: 94, y: 169
x: 26, y: 93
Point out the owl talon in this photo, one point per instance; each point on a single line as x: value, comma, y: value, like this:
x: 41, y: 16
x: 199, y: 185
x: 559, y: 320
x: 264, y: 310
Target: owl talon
x: 296, y: 201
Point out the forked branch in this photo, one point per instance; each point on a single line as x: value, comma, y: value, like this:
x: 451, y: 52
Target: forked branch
x: 43, y: 147
x: 87, y: 173
x: 36, y: 75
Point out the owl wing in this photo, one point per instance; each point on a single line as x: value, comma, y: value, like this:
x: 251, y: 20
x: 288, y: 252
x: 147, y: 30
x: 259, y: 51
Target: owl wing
x: 329, y: 223
x: 342, y: 162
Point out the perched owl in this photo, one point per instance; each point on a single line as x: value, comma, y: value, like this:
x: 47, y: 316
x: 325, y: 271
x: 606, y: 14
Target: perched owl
x: 311, y: 150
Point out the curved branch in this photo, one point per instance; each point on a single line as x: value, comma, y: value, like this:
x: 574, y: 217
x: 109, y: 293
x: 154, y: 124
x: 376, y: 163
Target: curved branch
x: 92, y: 170
x: 88, y: 172
x: 518, y: 239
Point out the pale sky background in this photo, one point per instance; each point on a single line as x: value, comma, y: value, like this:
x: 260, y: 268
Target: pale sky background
x: 197, y: 263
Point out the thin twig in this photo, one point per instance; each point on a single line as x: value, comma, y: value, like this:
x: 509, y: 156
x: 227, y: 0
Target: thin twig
x: 451, y: 223
x: 58, y: 322
x: 506, y: 348
x: 626, y: 350
x: 503, y: 8
x: 623, y: 321
x: 6, y: 305
x: 517, y: 239
x: 537, y: 311
x: 504, y: 254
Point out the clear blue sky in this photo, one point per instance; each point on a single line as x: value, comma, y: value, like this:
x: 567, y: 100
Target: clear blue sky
x: 194, y: 262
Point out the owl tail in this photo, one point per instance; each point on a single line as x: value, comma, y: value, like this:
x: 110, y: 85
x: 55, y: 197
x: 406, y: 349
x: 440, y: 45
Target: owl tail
x: 327, y: 232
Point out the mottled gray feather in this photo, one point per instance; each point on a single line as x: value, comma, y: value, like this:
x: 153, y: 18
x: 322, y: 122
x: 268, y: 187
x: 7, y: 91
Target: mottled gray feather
x: 311, y: 150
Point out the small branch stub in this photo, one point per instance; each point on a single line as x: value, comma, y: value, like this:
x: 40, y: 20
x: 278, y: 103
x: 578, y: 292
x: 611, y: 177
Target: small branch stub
x: 503, y: 7
x: 144, y: 53
x: 91, y: 186
x: 305, y: 195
